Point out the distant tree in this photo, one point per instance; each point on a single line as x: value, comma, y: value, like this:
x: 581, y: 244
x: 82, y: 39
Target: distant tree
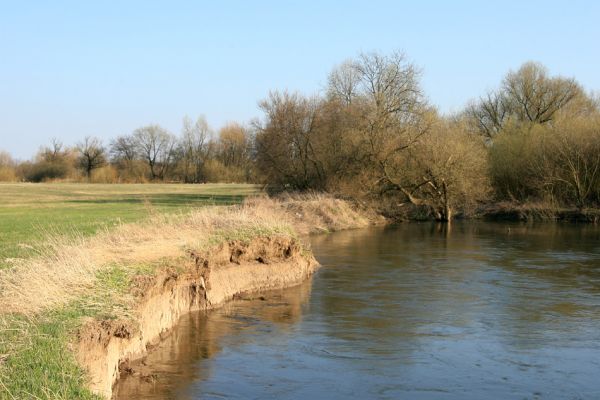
x: 123, y: 148
x: 574, y: 155
x: 91, y: 155
x: 234, y: 141
x: 445, y: 170
x: 55, y: 152
x: 7, y: 167
x: 156, y: 146
x: 286, y: 141
x: 52, y: 162
x: 527, y: 95
x: 343, y: 82
x: 6, y: 159
x: 194, y: 148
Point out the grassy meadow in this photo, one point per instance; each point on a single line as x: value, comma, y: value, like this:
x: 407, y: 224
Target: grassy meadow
x: 29, y: 213
x: 68, y: 251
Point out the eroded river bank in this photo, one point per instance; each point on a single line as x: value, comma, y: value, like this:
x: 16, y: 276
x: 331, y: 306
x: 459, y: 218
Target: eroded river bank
x: 485, y: 310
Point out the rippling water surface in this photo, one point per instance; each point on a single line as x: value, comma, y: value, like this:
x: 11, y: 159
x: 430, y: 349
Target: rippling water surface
x: 417, y: 311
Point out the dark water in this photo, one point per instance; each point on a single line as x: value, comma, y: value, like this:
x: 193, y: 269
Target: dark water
x: 483, y: 311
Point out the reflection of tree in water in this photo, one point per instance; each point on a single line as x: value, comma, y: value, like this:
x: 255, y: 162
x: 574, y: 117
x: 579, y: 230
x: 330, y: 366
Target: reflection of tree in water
x: 176, y: 361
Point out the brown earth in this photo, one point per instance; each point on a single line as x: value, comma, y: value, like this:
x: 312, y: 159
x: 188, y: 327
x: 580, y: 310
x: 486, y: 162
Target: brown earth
x: 209, y: 279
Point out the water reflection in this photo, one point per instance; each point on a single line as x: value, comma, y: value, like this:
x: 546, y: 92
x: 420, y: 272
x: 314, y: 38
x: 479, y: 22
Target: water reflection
x: 170, y: 367
x: 416, y: 311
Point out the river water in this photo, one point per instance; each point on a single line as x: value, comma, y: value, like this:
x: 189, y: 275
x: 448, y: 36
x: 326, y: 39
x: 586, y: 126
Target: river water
x: 416, y: 311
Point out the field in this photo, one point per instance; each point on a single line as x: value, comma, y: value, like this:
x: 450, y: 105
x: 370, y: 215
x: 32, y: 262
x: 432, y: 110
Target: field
x: 56, y: 274
x: 29, y: 213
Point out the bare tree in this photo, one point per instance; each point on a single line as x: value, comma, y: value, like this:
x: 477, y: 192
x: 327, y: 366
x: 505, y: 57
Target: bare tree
x: 123, y: 148
x: 527, y: 95
x: 572, y: 156
x: 7, y: 167
x: 535, y: 97
x: 234, y: 145
x: 444, y: 171
x: 91, y: 154
x: 343, y: 82
x: 391, y: 83
x: 194, y: 148
x: 155, y: 145
x: 490, y: 113
x: 286, y: 141
x: 55, y: 152
x: 6, y: 159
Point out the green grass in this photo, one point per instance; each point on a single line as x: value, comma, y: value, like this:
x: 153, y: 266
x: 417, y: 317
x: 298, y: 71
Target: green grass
x: 30, y: 212
x: 35, y: 357
x: 40, y: 364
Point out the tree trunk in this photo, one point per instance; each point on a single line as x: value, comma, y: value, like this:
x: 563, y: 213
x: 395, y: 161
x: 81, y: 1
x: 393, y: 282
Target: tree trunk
x: 447, y: 210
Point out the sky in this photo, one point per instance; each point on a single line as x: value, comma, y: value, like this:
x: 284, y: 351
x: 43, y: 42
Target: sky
x: 70, y: 69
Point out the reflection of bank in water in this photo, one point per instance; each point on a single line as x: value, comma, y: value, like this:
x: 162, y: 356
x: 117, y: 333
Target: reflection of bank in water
x: 174, y: 363
x: 408, y: 311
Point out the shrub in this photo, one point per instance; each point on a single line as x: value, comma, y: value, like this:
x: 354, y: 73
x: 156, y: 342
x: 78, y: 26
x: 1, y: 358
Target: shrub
x: 45, y: 171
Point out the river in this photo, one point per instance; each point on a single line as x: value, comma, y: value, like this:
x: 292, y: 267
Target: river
x: 415, y: 311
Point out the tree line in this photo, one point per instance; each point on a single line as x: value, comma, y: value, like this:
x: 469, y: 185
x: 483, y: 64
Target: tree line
x: 374, y: 136
x: 150, y: 153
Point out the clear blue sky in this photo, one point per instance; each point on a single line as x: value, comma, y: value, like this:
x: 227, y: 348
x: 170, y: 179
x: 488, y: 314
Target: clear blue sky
x: 71, y: 69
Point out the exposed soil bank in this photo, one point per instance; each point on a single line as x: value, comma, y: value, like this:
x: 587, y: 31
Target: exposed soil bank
x: 208, y: 280
x: 104, y: 299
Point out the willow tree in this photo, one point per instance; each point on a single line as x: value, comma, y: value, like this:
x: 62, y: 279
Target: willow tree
x: 444, y: 171
x: 528, y: 95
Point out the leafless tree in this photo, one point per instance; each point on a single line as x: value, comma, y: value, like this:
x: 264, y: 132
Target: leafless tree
x: 123, y: 148
x: 444, y: 171
x: 234, y: 145
x: 55, y: 152
x: 527, y: 95
x: 91, y: 154
x: 194, y: 148
x: 155, y: 145
x: 286, y: 141
x: 343, y: 82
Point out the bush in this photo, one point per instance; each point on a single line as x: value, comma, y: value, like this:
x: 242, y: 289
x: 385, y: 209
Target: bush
x: 514, y: 163
x: 106, y: 174
x: 215, y: 171
x: 44, y: 171
x: 7, y: 174
x: 558, y: 163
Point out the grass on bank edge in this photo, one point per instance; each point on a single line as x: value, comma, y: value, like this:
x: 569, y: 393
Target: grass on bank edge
x: 48, y: 297
x: 35, y: 356
x: 38, y: 362
x: 30, y: 212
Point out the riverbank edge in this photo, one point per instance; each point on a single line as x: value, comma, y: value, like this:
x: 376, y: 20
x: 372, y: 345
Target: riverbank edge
x: 533, y: 212
x: 507, y: 212
x: 209, y: 279
x: 73, y: 346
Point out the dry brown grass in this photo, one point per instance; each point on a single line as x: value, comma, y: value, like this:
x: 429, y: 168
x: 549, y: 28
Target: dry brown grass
x: 318, y: 212
x: 69, y: 267
x: 44, y: 299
